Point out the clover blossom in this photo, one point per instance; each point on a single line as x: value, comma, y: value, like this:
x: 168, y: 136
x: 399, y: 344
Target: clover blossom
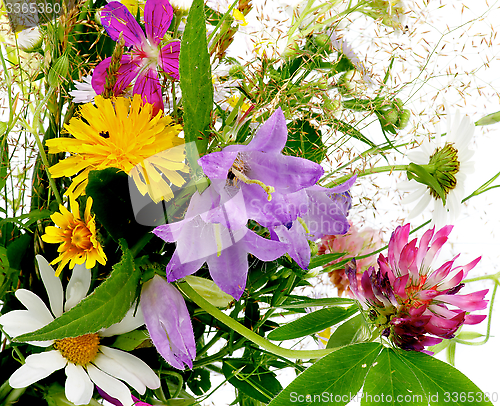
x: 148, y: 53
x: 408, y: 300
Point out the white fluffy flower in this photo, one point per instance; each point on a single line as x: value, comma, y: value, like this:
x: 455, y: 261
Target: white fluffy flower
x: 84, y: 93
x: 86, y: 365
x: 438, y: 156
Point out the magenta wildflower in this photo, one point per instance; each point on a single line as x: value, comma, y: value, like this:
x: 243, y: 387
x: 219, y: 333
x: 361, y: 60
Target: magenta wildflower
x: 148, y: 52
x: 168, y: 322
x: 409, y: 301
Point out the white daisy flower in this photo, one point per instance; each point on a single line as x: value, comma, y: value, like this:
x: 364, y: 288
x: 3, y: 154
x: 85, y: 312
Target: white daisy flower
x: 84, y: 360
x: 84, y: 92
x: 449, y: 161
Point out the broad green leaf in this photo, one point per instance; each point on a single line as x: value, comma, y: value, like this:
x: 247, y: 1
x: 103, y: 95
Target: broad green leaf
x: 391, y: 382
x: 255, y: 381
x: 312, y: 323
x: 321, y: 260
x: 352, y: 331
x: 301, y: 302
x: 305, y: 141
x: 3, y: 127
x: 196, y: 79
x: 333, y: 380
x: 469, y: 335
x: 443, y: 384
x: 492, y: 118
x: 131, y: 340
x: 209, y: 291
x: 33, y: 217
x: 107, y: 305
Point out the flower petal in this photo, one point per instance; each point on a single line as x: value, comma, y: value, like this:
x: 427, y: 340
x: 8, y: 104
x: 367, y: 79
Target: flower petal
x: 131, y: 363
x: 127, y: 72
x: 37, y: 366
x: 168, y: 59
x: 52, y: 284
x: 113, y: 368
x: 132, y: 320
x: 78, y: 286
x: 271, y: 136
x: 158, y: 15
x: 148, y: 86
x: 116, y: 19
x: 35, y: 305
x: 110, y: 385
x: 78, y: 388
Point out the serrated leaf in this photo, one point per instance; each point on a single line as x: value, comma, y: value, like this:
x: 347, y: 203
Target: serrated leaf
x: 305, y: 141
x: 131, y: 340
x: 256, y: 382
x: 312, y: 323
x: 196, y: 79
x: 352, y: 331
x: 339, y: 374
x: 107, y: 305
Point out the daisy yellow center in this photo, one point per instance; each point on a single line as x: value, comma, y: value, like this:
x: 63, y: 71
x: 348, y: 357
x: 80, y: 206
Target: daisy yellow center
x: 444, y: 165
x: 79, y: 350
x: 81, y: 237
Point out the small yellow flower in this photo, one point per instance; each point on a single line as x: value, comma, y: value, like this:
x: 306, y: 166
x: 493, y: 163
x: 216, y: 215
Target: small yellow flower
x: 122, y: 133
x: 78, y: 237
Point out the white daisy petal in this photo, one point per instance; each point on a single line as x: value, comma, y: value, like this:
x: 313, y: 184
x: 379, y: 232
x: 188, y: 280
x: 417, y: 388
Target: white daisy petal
x: 132, y: 363
x: 408, y: 185
x: 132, y: 320
x: 409, y: 198
x: 37, y: 366
x: 78, y: 286
x: 19, y: 322
x: 34, y: 305
x: 112, y: 386
x: 52, y: 284
x: 78, y: 388
x: 113, y: 368
x: 421, y: 205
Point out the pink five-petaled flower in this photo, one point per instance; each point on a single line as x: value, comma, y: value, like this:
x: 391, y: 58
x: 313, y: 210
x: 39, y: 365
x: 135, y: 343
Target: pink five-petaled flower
x: 407, y: 300
x: 147, y: 52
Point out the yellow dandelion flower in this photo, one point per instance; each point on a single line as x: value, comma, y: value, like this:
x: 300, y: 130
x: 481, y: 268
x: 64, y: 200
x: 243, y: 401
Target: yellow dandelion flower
x: 78, y: 237
x: 122, y: 133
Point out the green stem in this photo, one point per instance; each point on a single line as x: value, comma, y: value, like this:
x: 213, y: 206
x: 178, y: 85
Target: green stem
x: 221, y: 21
x: 180, y: 381
x: 369, y: 171
x: 140, y: 244
x: 248, y: 334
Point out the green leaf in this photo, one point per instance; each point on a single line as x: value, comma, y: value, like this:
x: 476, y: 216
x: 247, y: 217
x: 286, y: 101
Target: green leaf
x: 324, y: 259
x: 196, y: 79
x: 301, y: 302
x: 257, y: 382
x: 390, y: 377
x: 352, y: 331
x: 442, y: 383
x: 33, y: 217
x: 312, y: 323
x: 107, y: 305
x: 305, y: 141
x: 338, y: 375
x: 389, y: 380
x: 492, y: 118
x: 131, y: 340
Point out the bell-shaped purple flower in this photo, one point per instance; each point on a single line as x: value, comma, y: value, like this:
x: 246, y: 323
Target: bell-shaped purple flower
x: 214, y: 231
x: 147, y: 54
x: 263, y: 173
x: 168, y: 322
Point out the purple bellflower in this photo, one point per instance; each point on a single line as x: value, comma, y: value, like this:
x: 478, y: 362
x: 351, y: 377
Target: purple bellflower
x: 147, y: 54
x: 168, y: 322
x: 263, y: 174
x: 214, y: 231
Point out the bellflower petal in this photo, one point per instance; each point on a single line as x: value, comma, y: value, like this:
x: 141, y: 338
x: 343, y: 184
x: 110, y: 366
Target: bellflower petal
x: 168, y: 322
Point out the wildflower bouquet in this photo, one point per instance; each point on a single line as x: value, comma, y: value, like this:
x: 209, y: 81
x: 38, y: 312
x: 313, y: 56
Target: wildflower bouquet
x: 172, y: 183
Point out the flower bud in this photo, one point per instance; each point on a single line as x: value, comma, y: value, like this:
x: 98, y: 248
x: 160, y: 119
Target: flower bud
x: 404, y: 118
x: 209, y: 291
